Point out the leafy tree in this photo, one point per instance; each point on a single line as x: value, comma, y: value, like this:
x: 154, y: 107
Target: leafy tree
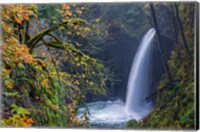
x: 36, y: 90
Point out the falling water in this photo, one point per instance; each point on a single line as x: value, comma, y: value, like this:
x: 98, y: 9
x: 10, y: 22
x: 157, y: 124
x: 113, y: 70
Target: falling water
x: 114, y: 114
x: 138, y: 83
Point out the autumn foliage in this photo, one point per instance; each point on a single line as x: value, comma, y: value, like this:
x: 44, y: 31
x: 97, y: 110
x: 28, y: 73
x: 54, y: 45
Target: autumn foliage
x: 36, y: 89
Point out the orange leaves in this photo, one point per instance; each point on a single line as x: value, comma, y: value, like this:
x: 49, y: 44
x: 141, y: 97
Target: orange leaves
x: 65, y: 7
x: 68, y: 11
x: 26, y: 122
x: 65, y: 11
x: 20, y: 50
x: 14, y: 53
x: 7, y: 28
x: 18, y: 118
x: 22, y: 53
x: 18, y: 13
x: 45, y: 64
x: 18, y: 121
x: 73, y: 121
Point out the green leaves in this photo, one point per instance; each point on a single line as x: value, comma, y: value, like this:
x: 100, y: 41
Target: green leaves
x: 19, y: 110
x: 35, y: 80
x: 20, y: 65
x: 11, y: 94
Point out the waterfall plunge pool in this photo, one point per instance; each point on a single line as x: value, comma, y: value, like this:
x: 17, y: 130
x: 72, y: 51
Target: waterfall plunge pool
x: 110, y: 114
x: 107, y: 114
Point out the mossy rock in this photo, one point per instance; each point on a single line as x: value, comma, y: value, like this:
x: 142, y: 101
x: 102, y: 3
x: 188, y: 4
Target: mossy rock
x: 132, y: 124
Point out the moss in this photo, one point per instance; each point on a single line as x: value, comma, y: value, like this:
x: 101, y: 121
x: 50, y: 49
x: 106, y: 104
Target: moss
x: 132, y: 124
x: 175, y: 105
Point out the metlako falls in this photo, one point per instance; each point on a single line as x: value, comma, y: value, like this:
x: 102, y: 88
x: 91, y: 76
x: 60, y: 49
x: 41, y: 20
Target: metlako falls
x: 138, y: 86
x: 114, y: 114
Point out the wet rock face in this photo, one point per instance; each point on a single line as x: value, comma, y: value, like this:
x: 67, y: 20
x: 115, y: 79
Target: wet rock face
x: 165, y: 21
x: 122, y: 51
x: 123, y: 46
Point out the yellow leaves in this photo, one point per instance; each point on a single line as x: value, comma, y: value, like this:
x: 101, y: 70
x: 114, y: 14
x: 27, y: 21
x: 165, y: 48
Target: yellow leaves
x: 67, y: 13
x: 5, y: 71
x: 18, y: 20
x: 6, y: 14
x: 13, y: 41
x: 76, y: 59
x: 44, y: 83
x: 78, y: 11
x: 55, y: 22
x: 87, y: 29
x: 77, y: 82
x: 17, y: 55
x: 19, y: 117
x: 76, y: 27
x: 62, y: 27
x: 82, y: 8
x: 78, y: 64
x: 97, y: 20
x: 55, y: 107
x: 91, y: 83
x: 83, y: 75
x: 69, y: 33
x: 18, y: 13
x: 7, y: 28
x: 8, y: 83
x: 78, y: 33
x: 75, y: 102
x: 72, y: 118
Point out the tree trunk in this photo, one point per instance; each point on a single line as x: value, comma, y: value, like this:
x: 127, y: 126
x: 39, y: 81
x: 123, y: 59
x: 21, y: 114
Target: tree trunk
x: 181, y: 30
x: 174, y: 24
x: 159, y: 43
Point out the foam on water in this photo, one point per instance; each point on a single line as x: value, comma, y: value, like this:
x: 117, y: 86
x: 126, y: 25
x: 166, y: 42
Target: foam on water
x: 109, y: 114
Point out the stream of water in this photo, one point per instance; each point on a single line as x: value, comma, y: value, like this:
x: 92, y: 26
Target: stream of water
x: 115, y: 114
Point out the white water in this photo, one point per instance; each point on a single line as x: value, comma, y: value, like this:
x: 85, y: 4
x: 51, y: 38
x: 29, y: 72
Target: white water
x: 114, y: 114
x: 138, y: 85
x: 107, y: 114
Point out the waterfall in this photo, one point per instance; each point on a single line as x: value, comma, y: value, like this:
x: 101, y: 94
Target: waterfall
x: 138, y: 87
x: 114, y: 114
